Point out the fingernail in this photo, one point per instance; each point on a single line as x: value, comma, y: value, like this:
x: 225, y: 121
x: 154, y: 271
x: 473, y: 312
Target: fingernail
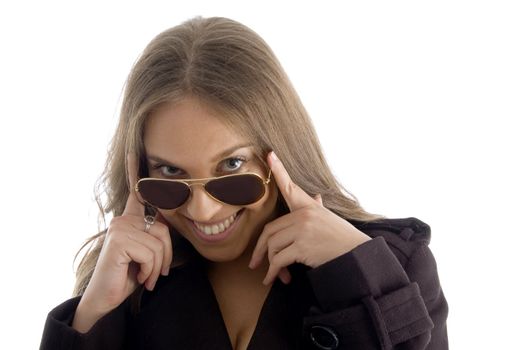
x: 166, y: 271
x: 273, y: 156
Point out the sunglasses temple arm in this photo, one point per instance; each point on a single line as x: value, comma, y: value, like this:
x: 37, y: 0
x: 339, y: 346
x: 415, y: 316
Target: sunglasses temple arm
x: 149, y: 210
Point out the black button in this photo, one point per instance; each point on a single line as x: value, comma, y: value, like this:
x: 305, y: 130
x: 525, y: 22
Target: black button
x: 324, y: 337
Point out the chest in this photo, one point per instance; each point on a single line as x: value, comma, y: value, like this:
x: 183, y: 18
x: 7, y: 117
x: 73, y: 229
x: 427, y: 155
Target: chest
x: 188, y: 310
x: 240, y: 308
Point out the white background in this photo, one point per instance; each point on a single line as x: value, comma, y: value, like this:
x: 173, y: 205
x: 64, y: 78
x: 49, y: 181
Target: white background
x: 419, y: 106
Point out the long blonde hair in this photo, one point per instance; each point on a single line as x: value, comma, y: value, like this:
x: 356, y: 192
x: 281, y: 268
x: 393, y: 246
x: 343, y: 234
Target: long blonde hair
x: 230, y: 68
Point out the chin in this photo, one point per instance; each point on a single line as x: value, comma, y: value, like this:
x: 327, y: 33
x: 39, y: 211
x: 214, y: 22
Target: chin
x: 220, y: 255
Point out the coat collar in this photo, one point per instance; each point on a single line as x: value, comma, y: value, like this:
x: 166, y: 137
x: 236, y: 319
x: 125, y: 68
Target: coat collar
x: 182, y: 312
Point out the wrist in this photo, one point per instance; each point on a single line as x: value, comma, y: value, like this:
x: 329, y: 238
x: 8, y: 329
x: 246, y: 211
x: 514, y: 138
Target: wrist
x: 86, y: 316
x: 358, y: 239
x: 352, y: 241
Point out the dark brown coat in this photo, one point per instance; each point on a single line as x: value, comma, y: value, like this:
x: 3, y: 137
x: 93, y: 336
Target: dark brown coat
x: 385, y: 294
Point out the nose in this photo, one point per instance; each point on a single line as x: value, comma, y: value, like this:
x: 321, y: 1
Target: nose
x: 200, y: 206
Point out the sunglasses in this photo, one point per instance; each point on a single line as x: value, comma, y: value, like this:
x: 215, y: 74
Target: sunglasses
x: 236, y: 189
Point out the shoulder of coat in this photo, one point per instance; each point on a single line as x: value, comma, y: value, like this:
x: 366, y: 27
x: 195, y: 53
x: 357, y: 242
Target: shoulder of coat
x: 403, y: 234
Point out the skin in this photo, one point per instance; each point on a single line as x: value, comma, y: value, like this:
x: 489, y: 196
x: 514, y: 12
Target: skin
x: 258, y: 250
x: 194, y: 154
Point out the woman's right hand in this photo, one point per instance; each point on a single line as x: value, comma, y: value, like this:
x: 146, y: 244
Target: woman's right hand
x: 129, y: 257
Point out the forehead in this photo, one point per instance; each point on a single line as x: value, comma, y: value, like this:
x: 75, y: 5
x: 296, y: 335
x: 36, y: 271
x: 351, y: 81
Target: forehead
x: 186, y: 130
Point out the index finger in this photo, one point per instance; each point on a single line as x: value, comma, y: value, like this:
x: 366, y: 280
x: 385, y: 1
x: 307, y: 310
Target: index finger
x: 295, y: 197
x: 133, y: 206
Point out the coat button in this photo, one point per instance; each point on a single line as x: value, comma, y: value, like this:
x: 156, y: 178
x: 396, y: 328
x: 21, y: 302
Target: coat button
x: 324, y: 337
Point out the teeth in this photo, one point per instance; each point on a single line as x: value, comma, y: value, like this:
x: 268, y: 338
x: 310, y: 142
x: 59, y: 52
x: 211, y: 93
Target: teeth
x: 217, y: 228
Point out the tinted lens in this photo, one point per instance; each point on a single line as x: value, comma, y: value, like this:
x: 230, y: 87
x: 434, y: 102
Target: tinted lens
x: 163, y: 194
x: 237, y: 190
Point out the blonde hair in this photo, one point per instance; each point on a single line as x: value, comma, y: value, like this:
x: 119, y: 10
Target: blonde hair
x: 230, y: 68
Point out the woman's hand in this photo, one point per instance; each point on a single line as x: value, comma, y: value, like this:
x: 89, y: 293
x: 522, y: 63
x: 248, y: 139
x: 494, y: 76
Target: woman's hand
x: 310, y: 234
x: 129, y: 257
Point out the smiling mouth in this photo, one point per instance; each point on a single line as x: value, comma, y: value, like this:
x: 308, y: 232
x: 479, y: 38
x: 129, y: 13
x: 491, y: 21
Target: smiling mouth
x: 217, y: 228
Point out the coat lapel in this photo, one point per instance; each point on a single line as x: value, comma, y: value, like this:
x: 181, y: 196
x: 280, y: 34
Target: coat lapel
x: 182, y: 313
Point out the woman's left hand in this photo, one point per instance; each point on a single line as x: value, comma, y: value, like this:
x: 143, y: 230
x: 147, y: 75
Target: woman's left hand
x: 310, y: 234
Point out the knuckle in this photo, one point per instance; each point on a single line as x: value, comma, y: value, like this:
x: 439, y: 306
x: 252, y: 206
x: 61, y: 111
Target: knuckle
x: 118, y: 223
x: 264, y: 230
x: 118, y: 233
x: 150, y: 259
x: 114, y: 223
x: 163, y: 241
x: 165, y: 231
x: 161, y: 223
x: 118, y: 219
x: 165, y: 235
x: 270, y: 243
x: 264, y: 233
x: 270, y: 255
x: 268, y: 227
x: 114, y: 240
x: 112, y: 236
x: 159, y: 248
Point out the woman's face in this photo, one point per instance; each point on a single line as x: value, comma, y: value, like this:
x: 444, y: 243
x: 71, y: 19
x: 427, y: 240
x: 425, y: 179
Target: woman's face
x: 185, y: 140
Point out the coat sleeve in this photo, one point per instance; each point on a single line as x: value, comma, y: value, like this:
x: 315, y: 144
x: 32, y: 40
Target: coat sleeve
x: 106, y: 333
x: 367, y: 300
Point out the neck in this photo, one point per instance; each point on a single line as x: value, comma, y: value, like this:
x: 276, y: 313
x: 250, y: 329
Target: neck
x: 237, y: 270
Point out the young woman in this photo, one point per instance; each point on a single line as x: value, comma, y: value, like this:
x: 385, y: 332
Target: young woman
x: 229, y: 230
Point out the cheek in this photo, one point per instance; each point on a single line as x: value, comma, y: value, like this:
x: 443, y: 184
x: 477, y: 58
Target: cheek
x: 172, y: 219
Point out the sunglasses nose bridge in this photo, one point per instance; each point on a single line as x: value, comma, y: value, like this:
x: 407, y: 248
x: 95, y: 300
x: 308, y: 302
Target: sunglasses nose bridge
x: 200, y: 204
x: 199, y: 183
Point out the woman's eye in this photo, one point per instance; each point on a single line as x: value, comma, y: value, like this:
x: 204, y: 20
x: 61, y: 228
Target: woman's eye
x: 168, y: 171
x: 232, y: 164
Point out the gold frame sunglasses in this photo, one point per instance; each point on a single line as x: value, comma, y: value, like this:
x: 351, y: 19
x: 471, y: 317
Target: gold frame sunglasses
x: 234, y: 189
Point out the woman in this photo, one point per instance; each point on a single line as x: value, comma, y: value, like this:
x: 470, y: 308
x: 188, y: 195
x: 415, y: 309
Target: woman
x: 229, y: 230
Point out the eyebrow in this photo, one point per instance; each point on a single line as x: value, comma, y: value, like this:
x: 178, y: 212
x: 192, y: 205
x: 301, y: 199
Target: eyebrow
x: 218, y: 157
